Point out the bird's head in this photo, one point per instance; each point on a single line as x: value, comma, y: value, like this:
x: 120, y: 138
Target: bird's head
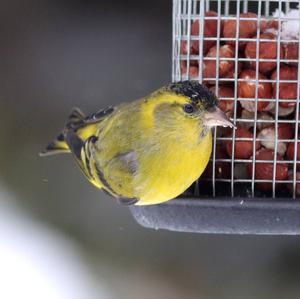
x: 199, y: 103
x: 190, y: 103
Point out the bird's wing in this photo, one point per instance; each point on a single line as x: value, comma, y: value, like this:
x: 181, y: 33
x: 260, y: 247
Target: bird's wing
x: 117, y: 175
x: 82, y: 153
x: 80, y: 135
x: 116, y: 178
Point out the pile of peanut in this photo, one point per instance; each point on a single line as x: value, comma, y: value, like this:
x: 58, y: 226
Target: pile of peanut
x: 252, y: 96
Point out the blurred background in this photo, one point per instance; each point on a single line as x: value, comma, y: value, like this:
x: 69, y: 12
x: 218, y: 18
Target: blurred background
x: 59, y: 236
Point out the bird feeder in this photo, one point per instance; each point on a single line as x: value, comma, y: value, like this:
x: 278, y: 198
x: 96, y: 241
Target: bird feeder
x: 247, y: 53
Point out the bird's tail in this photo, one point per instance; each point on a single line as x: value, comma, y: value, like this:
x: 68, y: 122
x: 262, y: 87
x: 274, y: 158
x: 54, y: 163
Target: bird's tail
x: 59, y: 144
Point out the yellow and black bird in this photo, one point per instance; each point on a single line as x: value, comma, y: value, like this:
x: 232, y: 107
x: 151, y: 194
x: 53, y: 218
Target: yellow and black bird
x: 147, y: 151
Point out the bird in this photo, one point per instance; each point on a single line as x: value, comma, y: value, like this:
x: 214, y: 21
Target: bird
x: 147, y: 151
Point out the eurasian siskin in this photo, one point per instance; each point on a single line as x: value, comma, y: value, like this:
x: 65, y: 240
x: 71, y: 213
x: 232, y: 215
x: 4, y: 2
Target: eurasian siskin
x: 147, y: 151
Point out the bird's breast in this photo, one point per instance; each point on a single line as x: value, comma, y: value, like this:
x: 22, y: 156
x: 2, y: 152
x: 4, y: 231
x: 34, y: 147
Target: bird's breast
x: 171, y: 168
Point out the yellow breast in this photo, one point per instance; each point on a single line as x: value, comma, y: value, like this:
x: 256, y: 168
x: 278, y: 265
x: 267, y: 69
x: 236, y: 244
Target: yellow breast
x: 169, y: 173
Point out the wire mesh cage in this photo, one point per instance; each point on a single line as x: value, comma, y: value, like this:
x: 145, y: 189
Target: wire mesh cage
x: 247, y: 53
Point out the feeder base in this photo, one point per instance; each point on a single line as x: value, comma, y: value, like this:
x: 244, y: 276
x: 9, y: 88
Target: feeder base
x: 223, y: 216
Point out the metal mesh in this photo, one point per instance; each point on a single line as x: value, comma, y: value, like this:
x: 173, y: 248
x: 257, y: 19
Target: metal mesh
x: 185, y: 12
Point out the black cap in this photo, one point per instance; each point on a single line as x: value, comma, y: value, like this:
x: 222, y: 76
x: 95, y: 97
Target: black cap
x: 196, y: 92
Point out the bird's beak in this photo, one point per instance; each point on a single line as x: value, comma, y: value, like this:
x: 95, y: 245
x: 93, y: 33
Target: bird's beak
x: 216, y: 117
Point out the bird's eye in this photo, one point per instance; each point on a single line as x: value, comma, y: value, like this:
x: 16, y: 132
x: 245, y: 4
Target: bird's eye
x: 188, y: 108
